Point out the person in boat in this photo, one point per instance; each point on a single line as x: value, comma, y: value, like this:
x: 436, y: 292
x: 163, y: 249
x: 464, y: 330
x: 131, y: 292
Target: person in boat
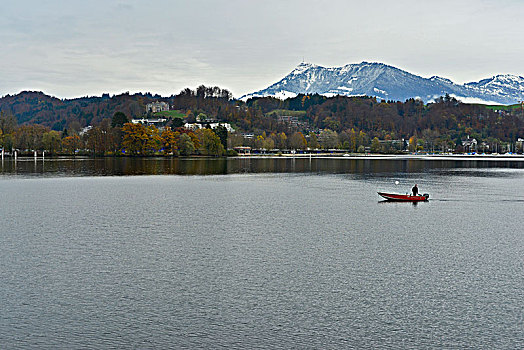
x: 415, y: 190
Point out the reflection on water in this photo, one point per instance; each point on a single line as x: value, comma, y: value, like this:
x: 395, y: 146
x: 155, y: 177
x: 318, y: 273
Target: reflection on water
x: 414, y: 204
x: 266, y: 261
x: 217, y: 166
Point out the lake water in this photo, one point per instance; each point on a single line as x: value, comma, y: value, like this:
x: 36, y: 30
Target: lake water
x: 278, y: 253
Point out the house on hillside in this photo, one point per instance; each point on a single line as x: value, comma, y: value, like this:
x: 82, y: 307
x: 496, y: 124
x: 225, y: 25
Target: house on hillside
x: 150, y: 121
x: 519, y: 145
x: 196, y: 126
x: 155, y: 107
x: 394, y: 145
x: 228, y: 126
x: 470, y: 145
x: 293, y: 120
x: 85, y: 130
x: 202, y: 118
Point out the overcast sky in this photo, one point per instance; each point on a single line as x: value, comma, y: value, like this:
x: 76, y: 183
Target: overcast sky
x: 76, y: 48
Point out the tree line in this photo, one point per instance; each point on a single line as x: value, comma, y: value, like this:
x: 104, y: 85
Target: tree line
x: 115, y: 137
x: 442, y: 124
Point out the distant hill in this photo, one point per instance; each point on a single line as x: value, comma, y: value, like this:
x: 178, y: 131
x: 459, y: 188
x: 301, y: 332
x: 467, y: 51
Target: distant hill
x: 313, y: 112
x: 390, y: 83
x: 35, y: 107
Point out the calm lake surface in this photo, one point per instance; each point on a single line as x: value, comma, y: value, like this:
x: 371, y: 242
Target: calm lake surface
x: 261, y: 254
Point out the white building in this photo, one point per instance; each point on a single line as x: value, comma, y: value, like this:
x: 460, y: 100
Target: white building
x: 151, y: 121
x: 85, y: 130
x: 192, y: 126
x: 469, y: 144
x: 196, y: 126
x: 155, y: 107
x: 519, y: 144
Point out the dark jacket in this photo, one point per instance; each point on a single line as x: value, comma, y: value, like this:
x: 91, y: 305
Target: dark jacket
x: 415, y: 190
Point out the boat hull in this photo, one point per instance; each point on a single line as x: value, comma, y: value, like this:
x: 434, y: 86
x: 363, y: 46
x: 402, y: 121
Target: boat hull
x: 404, y: 197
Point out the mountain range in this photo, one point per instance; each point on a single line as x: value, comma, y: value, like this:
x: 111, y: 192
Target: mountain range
x: 390, y: 83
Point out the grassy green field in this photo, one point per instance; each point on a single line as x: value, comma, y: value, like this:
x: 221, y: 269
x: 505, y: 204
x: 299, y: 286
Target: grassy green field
x: 280, y: 112
x: 504, y: 107
x: 170, y: 114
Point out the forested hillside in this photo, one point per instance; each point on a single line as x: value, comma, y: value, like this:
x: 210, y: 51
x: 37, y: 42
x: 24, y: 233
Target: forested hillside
x: 35, y: 107
x: 446, y: 118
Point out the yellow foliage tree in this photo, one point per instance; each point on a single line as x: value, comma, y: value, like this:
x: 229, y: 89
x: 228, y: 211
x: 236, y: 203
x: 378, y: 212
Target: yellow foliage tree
x: 209, y: 143
x: 169, y: 143
x: 412, y: 144
x: 70, y: 144
x: 140, y: 139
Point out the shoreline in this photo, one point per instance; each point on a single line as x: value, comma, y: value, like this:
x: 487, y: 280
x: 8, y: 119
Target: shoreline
x: 516, y: 157
x: 369, y: 156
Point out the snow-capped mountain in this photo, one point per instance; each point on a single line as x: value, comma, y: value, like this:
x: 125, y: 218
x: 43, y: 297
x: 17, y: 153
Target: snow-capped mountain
x: 390, y: 83
x: 507, y: 87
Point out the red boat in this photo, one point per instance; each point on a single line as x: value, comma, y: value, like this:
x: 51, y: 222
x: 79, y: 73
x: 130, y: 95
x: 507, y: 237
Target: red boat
x: 404, y: 197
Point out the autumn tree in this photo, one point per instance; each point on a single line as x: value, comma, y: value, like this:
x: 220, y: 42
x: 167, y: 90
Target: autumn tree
x: 313, y: 141
x: 430, y: 137
x: 343, y: 139
x: 52, y: 141
x: 185, y: 145
x: 269, y: 143
x: 74, y: 127
x: 328, y: 139
x: 297, y: 141
x: 29, y: 136
x: 7, y: 141
x: 71, y: 144
x: 259, y: 142
x: 376, y: 147
x: 135, y: 136
x: 169, y: 141
x: 362, y: 140
x: 412, y: 145
x: 112, y: 138
x: 154, y: 141
x: 264, y: 142
x: 353, y: 140
x: 281, y: 140
x: 94, y: 139
x: 140, y: 139
x: 8, y: 123
x: 235, y: 140
x: 209, y: 143
x: 194, y: 139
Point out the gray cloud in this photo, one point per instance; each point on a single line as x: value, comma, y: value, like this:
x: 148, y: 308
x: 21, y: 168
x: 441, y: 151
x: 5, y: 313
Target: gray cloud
x: 73, y: 48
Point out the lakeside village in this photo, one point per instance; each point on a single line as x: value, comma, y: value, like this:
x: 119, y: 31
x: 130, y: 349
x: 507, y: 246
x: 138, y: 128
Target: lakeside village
x: 162, y: 131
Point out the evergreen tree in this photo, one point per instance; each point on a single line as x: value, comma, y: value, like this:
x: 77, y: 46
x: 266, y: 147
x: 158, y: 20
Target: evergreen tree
x: 119, y: 119
x: 221, y: 132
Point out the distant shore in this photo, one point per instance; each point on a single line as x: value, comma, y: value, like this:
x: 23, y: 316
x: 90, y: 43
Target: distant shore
x: 327, y: 155
x: 397, y: 156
